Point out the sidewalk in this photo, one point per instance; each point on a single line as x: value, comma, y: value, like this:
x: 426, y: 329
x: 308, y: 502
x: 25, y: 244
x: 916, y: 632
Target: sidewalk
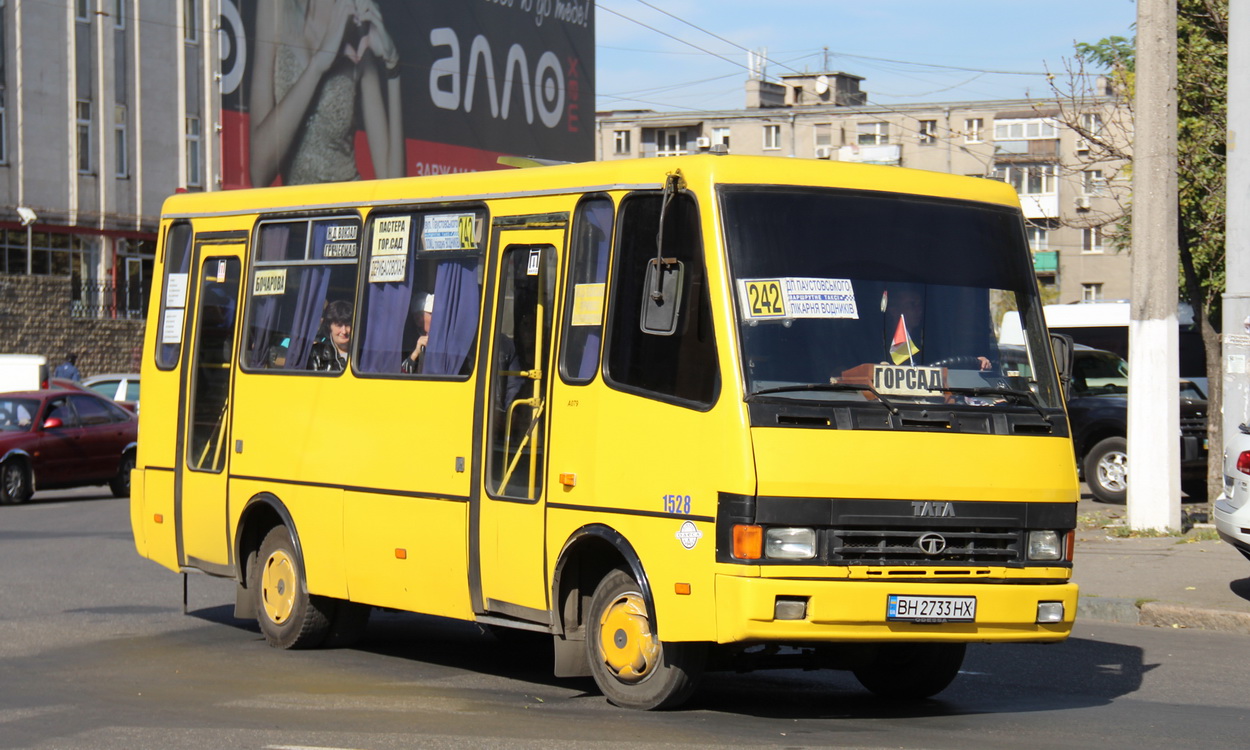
x: 1190, y: 581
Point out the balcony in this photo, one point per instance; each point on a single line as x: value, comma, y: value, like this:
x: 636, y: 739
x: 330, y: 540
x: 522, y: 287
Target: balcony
x: 1042, y: 206
x: 890, y: 154
x: 1046, y: 263
x: 1046, y: 150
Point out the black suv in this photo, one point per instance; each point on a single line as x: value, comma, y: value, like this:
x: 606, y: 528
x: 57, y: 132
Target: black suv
x: 1098, y: 410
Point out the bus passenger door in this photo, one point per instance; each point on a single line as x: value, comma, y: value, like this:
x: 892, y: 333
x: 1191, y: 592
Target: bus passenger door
x: 204, y: 409
x: 511, y: 524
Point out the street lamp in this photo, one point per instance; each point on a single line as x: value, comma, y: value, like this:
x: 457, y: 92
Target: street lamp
x: 27, y: 217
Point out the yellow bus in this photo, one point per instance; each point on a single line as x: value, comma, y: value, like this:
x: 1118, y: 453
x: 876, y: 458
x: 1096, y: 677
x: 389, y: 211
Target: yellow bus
x: 680, y: 414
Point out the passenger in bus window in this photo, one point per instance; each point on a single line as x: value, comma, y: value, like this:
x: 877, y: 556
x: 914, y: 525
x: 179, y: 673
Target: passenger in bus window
x: 331, y: 355
x: 413, y: 362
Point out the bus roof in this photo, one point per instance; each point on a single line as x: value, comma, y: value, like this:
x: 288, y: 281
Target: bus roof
x: 596, y: 176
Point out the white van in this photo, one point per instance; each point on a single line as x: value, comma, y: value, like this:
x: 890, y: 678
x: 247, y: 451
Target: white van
x: 23, y: 372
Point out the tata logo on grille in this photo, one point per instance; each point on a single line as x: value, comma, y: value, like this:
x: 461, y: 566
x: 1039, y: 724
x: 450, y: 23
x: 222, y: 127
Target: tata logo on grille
x: 931, y: 544
x: 927, y: 509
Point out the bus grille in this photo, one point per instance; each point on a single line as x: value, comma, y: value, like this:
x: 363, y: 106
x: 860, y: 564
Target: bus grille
x: 917, y: 546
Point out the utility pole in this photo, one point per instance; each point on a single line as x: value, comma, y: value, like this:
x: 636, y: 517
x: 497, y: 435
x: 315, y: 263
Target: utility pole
x: 1154, y: 488
x: 1235, y: 339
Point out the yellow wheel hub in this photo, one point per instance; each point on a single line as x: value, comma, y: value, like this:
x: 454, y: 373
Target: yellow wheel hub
x: 277, y: 586
x: 625, y: 641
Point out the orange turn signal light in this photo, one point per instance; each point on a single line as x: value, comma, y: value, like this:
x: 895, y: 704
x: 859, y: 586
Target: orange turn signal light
x: 401, y: 553
x: 681, y: 588
x: 158, y: 518
x: 748, y: 542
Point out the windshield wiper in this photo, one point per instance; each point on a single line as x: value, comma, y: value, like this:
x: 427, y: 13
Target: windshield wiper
x: 861, y: 387
x: 1028, y: 396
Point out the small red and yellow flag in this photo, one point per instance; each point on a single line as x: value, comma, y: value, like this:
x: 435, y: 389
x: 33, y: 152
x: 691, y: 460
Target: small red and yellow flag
x: 902, y: 348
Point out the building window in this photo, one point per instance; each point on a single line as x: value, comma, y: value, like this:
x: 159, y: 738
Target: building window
x: 190, y: 22
x: 194, y: 165
x: 82, y: 10
x: 119, y: 14
x: 873, y: 133
x: 1029, y: 179
x: 1024, y: 130
x: 4, y: 125
x: 120, y: 142
x: 974, y: 129
x: 1091, y: 292
x: 1091, y: 240
x: 1091, y: 122
x: 670, y: 142
x: 720, y: 137
x: 772, y: 137
x: 928, y: 132
x: 1092, y: 182
x: 1039, y: 238
x: 621, y: 141
x: 83, y: 112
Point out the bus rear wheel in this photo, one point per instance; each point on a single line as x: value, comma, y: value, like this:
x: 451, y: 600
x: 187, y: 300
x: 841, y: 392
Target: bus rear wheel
x: 633, y: 667
x: 911, y: 671
x: 288, y: 615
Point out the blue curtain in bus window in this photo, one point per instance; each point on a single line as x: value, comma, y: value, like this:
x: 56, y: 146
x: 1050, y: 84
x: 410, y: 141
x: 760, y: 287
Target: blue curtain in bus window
x: 273, y: 239
x: 453, y: 324
x: 599, y: 216
x: 386, y: 312
x: 309, y: 304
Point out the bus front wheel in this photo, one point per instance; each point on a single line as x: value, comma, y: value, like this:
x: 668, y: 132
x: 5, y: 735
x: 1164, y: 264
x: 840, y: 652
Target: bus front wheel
x: 911, y: 671
x: 289, y: 616
x: 633, y: 667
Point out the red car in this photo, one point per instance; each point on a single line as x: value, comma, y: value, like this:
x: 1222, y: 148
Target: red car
x: 59, y: 438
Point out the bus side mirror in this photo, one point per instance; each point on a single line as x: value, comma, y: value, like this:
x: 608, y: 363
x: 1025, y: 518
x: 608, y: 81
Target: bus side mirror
x: 661, y: 296
x: 1062, y: 347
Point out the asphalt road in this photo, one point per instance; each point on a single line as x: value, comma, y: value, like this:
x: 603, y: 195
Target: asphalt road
x: 95, y: 652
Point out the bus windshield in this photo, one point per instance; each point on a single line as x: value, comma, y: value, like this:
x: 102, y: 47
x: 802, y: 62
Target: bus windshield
x: 855, y: 296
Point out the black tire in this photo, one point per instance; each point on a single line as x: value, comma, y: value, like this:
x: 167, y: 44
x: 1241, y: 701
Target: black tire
x: 120, y: 484
x: 632, y: 667
x: 911, y: 671
x: 288, y: 615
x: 1106, y: 470
x: 14, y: 483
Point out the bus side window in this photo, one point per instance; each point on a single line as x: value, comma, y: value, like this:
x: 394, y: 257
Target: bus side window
x: 421, y: 308
x: 173, y: 294
x: 584, y: 294
x: 300, y: 268
x: 682, y: 367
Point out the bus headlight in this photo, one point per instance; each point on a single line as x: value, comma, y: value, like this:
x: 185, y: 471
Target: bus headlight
x: 1044, y: 545
x: 790, y: 544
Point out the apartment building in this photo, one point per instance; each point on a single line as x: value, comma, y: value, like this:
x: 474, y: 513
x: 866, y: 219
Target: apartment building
x: 1071, y: 193
x: 103, y: 105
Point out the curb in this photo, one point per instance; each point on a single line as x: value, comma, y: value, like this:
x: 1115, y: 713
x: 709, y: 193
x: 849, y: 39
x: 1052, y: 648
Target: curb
x: 1159, y: 615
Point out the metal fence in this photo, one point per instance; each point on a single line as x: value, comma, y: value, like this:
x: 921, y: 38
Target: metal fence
x: 108, y: 301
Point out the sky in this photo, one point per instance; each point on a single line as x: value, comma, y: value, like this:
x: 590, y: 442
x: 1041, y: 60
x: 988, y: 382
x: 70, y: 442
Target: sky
x: 907, y: 51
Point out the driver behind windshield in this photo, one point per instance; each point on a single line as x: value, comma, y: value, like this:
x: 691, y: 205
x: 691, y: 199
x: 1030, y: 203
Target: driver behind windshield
x: 903, y: 306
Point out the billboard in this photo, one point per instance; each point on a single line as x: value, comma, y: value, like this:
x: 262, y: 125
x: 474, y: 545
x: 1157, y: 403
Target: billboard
x: 330, y: 90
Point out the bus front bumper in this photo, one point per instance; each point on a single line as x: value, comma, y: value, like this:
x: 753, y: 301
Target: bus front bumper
x: 798, y: 610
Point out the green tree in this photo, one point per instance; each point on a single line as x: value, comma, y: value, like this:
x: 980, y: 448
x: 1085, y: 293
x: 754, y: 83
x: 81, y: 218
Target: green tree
x: 1202, y: 113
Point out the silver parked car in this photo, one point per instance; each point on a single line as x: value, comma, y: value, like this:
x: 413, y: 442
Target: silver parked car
x: 1232, y: 509
x: 120, y: 387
